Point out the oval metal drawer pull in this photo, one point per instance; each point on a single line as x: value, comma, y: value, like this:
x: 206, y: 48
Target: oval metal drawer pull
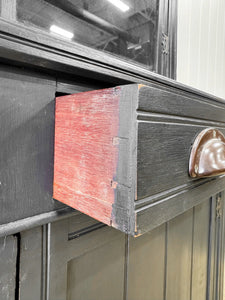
x: 208, y: 154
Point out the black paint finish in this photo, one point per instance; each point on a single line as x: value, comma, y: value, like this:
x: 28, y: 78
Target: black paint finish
x: 27, y: 138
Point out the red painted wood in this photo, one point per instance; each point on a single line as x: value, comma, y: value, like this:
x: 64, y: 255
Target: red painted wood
x: 86, y: 154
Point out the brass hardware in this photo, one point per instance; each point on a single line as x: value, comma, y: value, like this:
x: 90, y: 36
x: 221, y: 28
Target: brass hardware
x: 208, y: 154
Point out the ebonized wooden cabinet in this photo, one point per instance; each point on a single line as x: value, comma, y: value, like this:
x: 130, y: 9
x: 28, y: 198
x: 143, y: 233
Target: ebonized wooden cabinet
x: 50, y: 251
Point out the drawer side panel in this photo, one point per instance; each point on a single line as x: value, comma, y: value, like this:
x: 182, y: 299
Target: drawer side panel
x: 86, y: 151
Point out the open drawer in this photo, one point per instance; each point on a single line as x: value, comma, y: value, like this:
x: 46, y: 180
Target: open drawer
x: 122, y: 154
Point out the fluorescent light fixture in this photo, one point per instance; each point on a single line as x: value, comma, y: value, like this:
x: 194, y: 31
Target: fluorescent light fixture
x: 122, y: 6
x: 62, y: 32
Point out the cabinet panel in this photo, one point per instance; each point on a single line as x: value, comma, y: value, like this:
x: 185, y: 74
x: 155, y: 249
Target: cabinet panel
x: 201, y: 226
x: 8, y: 258
x: 179, y: 257
x: 86, y: 263
x: 146, y: 266
x: 32, y: 264
x: 27, y: 143
x: 97, y: 274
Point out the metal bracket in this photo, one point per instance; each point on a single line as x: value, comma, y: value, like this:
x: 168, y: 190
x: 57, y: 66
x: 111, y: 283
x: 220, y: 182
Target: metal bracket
x: 165, y: 44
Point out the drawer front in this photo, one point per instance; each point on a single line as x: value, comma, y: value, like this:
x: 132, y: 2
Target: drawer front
x: 168, y: 123
x: 163, y: 153
x: 122, y: 154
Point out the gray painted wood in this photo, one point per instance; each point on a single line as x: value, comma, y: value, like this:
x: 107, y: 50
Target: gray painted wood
x: 31, y: 263
x: 165, y: 148
x: 176, y: 102
x: 91, y: 265
x: 173, y: 205
x: 69, y: 85
x: 217, y: 253
x: 212, y: 251
x: 34, y: 221
x: 8, y: 256
x: 146, y: 266
x: 201, y: 219
x: 222, y: 250
x: 27, y: 139
x: 179, y: 255
x: 168, y: 122
x: 97, y: 274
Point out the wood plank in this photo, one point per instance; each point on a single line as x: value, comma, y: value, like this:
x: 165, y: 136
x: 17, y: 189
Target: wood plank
x: 164, y: 146
x: 98, y: 274
x: 212, y: 251
x: 71, y: 256
x: 222, y: 254
x: 146, y: 267
x: 85, y: 157
x: 27, y: 139
x: 173, y: 205
x: 216, y: 256
x: 8, y: 251
x: 31, y: 263
x: 179, y: 255
x: 67, y: 85
x: 171, y: 101
x: 200, y: 250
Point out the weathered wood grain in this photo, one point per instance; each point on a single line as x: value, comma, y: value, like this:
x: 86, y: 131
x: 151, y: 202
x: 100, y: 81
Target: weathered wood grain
x: 180, y: 103
x: 201, y: 219
x: 8, y: 251
x: 32, y: 260
x: 179, y: 255
x: 146, y: 265
x: 163, y: 152
x: 155, y: 214
x: 86, y: 152
x: 91, y: 266
x: 27, y: 143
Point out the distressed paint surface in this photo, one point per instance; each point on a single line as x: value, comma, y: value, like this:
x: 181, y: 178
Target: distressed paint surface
x: 86, y: 155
